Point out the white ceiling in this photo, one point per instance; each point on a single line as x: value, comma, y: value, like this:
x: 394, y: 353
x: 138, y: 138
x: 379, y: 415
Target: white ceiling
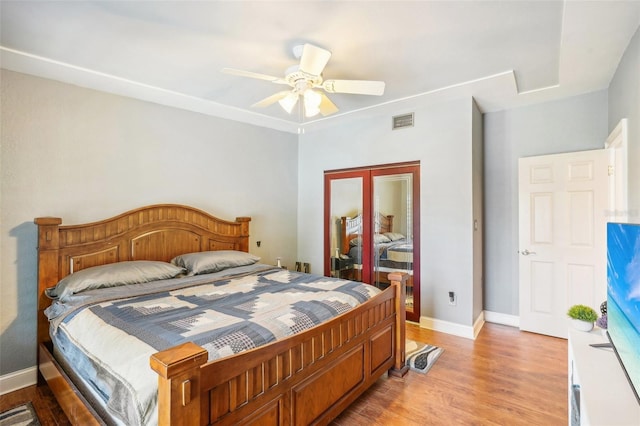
x: 504, y: 53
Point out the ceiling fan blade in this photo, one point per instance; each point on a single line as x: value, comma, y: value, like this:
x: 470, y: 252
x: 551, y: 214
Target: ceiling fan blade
x: 271, y: 99
x: 357, y: 87
x: 313, y: 59
x: 326, y: 106
x: 251, y: 74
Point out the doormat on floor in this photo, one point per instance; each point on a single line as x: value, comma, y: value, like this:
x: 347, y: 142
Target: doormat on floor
x: 421, y: 356
x: 22, y: 415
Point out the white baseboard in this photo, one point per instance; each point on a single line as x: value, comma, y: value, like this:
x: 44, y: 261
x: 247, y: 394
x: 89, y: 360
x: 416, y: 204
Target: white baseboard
x: 18, y: 380
x: 456, y: 329
x: 504, y: 319
x: 477, y: 326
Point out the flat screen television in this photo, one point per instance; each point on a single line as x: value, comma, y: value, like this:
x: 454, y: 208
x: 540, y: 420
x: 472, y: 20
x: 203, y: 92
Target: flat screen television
x: 623, y: 298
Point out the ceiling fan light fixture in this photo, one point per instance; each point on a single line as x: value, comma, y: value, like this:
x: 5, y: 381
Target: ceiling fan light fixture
x: 308, y: 75
x: 312, y: 102
x: 288, y: 102
x: 311, y: 112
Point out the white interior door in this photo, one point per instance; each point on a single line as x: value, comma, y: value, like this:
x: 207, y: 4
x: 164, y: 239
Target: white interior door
x: 616, y: 144
x: 563, y: 200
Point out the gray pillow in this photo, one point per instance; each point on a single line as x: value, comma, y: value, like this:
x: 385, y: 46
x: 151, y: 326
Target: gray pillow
x: 377, y: 239
x: 380, y: 239
x: 357, y: 241
x: 394, y: 236
x: 112, y: 275
x: 207, y: 262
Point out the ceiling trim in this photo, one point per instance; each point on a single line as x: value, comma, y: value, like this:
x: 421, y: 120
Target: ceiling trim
x: 39, y: 66
x: 15, y: 60
x: 490, y: 93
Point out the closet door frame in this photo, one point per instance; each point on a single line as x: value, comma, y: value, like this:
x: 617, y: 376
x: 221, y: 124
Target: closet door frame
x: 414, y: 170
x: 367, y: 174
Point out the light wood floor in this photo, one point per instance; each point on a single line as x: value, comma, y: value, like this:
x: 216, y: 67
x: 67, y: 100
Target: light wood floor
x: 504, y: 377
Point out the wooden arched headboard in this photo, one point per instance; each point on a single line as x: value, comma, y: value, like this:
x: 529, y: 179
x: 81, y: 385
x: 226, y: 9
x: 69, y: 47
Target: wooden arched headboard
x: 157, y: 232
x: 351, y: 228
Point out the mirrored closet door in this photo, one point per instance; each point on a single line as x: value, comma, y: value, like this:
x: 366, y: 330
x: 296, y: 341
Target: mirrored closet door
x: 372, y: 226
x: 346, y: 194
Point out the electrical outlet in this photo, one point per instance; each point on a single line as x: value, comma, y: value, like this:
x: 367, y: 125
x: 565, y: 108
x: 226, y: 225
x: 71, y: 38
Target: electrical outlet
x: 452, y: 298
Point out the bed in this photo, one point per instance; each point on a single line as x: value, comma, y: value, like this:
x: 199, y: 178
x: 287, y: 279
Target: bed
x: 393, y: 251
x: 306, y: 378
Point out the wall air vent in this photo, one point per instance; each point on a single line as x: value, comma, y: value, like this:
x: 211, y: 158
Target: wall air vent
x: 402, y: 121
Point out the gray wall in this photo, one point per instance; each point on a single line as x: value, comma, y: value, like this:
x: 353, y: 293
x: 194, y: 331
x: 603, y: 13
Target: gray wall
x: 442, y: 141
x: 574, y: 124
x: 624, y: 102
x: 84, y: 155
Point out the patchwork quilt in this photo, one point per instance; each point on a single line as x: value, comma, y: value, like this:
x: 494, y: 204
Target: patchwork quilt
x: 109, y: 334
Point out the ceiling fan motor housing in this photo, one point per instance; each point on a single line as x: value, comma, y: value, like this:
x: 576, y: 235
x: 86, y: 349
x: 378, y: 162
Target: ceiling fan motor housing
x: 301, y: 80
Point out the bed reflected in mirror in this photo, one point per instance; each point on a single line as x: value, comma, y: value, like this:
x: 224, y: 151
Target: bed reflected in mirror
x: 393, y: 230
x: 346, y: 201
x: 372, y: 227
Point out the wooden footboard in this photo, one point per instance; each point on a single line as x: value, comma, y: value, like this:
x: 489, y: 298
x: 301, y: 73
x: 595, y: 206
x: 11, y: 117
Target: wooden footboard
x: 307, y: 379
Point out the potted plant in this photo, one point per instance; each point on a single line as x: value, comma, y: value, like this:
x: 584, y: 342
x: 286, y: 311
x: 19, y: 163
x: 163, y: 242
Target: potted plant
x: 582, y: 317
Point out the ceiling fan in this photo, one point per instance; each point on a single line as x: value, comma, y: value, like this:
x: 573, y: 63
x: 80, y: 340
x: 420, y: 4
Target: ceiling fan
x: 305, y: 78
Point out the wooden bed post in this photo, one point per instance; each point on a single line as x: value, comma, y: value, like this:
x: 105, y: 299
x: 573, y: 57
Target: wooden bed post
x: 48, y: 267
x: 244, y: 232
x: 344, y: 244
x: 398, y: 281
x: 179, y: 384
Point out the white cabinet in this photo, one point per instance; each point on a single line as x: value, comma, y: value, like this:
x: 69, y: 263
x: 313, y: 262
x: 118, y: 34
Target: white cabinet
x: 603, y: 394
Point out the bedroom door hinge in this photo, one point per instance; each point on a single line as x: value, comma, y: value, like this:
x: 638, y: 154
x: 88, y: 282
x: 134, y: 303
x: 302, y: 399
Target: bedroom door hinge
x: 610, y: 171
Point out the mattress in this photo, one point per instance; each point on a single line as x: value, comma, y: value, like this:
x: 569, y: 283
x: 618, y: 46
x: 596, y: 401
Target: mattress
x: 400, y: 252
x: 395, y: 255
x: 109, y: 334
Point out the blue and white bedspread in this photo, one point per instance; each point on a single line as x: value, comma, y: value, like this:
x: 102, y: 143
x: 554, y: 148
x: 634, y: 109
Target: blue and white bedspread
x: 111, y: 333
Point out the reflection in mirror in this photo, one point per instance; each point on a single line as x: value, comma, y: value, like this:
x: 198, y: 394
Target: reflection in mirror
x: 346, y: 202
x: 372, y: 227
x: 393, y: 230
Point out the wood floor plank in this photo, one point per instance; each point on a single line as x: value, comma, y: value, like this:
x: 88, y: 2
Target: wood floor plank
x: 504, y: 377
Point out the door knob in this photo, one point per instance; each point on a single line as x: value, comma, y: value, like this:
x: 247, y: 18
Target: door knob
x: 526, y: 252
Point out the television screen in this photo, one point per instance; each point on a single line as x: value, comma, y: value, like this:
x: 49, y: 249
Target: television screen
x: 623, y: 297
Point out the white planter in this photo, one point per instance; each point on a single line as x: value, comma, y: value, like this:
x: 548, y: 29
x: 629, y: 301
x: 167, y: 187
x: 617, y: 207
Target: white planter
x: 582, y: 325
